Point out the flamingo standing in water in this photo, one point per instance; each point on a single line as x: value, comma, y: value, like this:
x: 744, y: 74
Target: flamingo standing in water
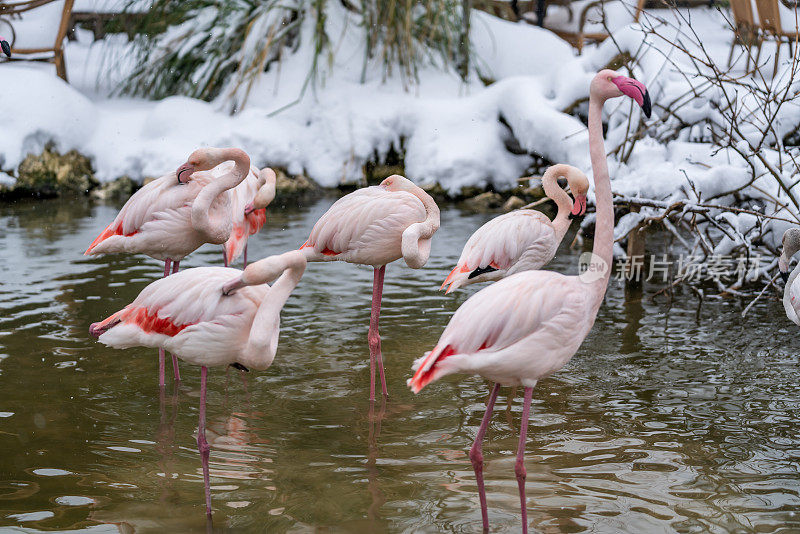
x: 210, y: 316
x: 375, y: 226
x: 528, y: 326
x: 174, y: 215
x: 249, y: 200
x: 522, y: 240
x: 791, y: 291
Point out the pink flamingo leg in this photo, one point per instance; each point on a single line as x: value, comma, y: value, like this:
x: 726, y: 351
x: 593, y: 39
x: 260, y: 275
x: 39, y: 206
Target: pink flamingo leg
x: 476, y: 454
x: 245, y: 255
x: 519, y: 466
x: 224, y: 258
x: 202, y: 444
x: 167, y: 264
x: 374, y: 337
x: 175, y: 370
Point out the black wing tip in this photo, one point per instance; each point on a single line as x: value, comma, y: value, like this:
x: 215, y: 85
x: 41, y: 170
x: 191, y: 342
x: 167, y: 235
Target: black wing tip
x: 481, y: 270
x: 647, y: 107
x: 6, y: 47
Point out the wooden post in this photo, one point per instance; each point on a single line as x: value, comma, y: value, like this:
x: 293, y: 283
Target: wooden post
x: 636, y: 248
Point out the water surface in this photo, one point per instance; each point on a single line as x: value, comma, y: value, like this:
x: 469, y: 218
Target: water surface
x: 672, y: 417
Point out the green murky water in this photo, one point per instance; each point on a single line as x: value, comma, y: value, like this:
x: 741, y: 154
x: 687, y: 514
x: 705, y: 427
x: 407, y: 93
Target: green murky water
x: 670, y: 418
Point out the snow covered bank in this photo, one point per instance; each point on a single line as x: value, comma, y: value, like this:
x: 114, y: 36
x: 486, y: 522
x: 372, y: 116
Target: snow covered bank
x: 450, y: 132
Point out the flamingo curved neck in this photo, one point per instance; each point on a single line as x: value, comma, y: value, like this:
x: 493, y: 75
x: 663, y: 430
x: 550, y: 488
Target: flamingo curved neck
x: 263, y: 339
x: 602, y: 248
x: 562, y: 200
x: 217, y: 229
x: 416, y: 244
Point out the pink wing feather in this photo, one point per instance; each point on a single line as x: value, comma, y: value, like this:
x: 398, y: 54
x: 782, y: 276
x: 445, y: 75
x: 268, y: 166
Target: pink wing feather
x: 186, y: 313
x: 366, y: 226
x: 499, y: 317
x: 516, y: 241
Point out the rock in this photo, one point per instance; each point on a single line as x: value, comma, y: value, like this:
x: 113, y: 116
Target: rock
x: 376, y: 174
x: 484, y: 202
x: 294, y: 185
x: 513, y: 203
x: 52, y: 174
x: 120, y: 188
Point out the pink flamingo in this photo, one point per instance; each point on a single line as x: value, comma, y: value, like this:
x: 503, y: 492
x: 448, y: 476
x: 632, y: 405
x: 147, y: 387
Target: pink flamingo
x: 375, y: 226
x: 174, y: 215
x: 248, y: 202
x: 5, y: 47
x: 528, y: 326
x: 522, y: 240
x: 210, y: 316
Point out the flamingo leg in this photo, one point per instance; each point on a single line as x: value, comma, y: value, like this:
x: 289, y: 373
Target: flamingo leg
x: 245, y: 255
x: 202, y: 444
x: 476, y: 454
x: 374, y: 337
x: 167, y: 264
x: 175, y: 370
x: 519, y: 466
x: 225, y: 258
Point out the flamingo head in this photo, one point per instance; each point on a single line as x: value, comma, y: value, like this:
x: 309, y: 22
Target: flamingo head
x: 791, y: 244
x: 230, y: 287
x: 396, y: 182
x: 5, y: 47
x: 199, y: 160
x: 579, y: 186
x: 608, y: 84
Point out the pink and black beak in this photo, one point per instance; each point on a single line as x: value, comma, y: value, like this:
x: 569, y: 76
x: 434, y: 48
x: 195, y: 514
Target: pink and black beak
x: 250, y: 208
x: 637, y: 91
x: 578, y: 207
x: 5, y: 47
x: 185, y: 172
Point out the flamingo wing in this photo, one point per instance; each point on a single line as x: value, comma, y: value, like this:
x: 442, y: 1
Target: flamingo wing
x: 371, y: 217
x: 163, y: 199
x: 500, y: 316
x: 187, y: 314
x: 515, y: 241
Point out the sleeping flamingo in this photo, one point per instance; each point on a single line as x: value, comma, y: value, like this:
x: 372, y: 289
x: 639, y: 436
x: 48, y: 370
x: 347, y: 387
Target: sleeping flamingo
x: 248, y: 202
x: 210, y: 316
x: 174, y: 215
x: 375, y: 226
x: 5, y: 47
x: 521, y: 240
x: 791, y: 291
x: 528, y: 326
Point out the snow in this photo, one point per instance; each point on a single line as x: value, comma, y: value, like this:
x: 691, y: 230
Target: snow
x: 451, y: 132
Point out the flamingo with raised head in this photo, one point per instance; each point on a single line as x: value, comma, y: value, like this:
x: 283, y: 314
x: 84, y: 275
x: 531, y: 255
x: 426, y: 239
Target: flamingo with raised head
x: 375, y: 226
x: 210, y: 316
x: 5, y: 47
x: 249, y: 200
x: 521, y: 240
x: 528, y: 325
x: 174, y: 215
